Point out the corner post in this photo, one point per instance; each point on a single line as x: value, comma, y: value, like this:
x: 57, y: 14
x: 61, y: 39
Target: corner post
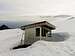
x: 40, y: 34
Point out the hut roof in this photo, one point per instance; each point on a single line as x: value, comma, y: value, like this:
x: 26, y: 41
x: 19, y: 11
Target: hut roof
x: 43, y: 23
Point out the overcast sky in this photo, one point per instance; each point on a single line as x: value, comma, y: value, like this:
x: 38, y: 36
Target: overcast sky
x: 13, y: 8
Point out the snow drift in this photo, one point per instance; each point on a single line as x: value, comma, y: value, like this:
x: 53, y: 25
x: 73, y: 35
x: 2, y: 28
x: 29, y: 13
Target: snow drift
x: 9, y: 39
x: 44, y: 48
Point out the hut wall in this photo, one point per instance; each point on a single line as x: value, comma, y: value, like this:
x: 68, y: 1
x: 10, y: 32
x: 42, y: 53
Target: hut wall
x: 29, y: 35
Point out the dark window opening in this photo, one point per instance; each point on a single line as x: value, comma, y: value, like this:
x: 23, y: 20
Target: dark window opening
x: 44, y: 31
x: 37, y: 31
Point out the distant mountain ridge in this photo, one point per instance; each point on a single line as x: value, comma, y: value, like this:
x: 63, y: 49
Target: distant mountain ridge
x: 13, y: 24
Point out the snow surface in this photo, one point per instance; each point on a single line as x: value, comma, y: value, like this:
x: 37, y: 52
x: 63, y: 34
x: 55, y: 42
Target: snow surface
x: 9, y: 39
x: 62, y: 43
x: 44, y: 48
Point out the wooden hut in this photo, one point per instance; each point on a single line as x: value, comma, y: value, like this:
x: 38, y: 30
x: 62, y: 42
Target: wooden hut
x: 37, y: 31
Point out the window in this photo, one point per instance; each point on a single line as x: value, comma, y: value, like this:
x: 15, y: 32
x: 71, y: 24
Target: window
x: 44, y: 31
x: 37, y: 31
